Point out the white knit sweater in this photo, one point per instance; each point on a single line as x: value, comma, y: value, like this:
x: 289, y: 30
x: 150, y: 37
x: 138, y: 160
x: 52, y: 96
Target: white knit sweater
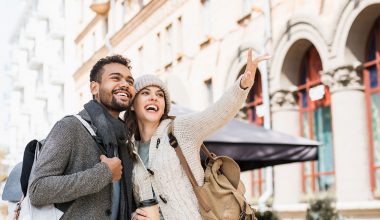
x: 169, y: 181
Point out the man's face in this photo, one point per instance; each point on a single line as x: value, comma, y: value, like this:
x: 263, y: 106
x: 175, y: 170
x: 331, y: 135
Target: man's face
x: 115, y: 90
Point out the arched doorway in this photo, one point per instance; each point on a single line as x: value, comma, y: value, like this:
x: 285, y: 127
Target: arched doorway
x: 372, y: 92
x: 315, y: 123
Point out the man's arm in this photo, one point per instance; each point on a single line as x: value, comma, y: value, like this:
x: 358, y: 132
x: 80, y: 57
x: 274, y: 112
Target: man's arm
x: 49, y: 185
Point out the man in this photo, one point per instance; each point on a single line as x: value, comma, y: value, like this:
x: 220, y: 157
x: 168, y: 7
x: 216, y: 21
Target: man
x: 72, y: 171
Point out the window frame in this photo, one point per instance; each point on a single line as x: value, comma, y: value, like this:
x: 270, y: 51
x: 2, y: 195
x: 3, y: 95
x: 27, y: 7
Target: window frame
x: 312, y: 79
x: 375, y: 32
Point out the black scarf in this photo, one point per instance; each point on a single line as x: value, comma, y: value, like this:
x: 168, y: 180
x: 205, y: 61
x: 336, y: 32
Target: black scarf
x: 112, y: 133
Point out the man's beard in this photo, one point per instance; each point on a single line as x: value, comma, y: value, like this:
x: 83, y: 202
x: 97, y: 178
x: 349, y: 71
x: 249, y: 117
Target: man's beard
x: 117, y: 106
x: 114, y: 105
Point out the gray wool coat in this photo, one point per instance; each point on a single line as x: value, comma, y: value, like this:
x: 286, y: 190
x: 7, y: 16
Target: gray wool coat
x: 69, y: 168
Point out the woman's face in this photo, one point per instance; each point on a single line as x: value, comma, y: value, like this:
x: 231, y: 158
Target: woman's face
x: 149, y: 104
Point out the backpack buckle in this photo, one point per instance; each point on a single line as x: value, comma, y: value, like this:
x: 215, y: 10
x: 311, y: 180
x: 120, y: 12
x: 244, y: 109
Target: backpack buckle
x: 243, y: 213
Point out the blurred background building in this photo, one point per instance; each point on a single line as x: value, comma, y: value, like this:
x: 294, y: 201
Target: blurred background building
x: 321, y: 83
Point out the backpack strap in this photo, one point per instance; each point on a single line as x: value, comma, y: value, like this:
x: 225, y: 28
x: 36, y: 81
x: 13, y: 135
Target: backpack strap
x: 174, y: 143
x: 92, y: 133
x: 208, y: 154
x: 86, y: 125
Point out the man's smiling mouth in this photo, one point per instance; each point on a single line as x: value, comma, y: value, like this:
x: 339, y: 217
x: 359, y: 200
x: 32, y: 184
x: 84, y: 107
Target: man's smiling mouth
x: 122, y: 93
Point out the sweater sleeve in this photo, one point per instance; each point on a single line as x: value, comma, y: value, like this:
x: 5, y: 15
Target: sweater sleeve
x: 48, y: 184
x: 195, y: 127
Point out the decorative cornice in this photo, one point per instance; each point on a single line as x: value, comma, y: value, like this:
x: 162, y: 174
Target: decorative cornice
x: 136, y: 21
x: 284, y: 100
x: 143, y: 21
x: 343, y: 78
x: 86, y: 66
x: 88, y: 27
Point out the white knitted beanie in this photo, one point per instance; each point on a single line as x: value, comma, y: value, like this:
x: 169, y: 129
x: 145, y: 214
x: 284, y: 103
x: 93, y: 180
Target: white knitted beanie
x: 152, y: 80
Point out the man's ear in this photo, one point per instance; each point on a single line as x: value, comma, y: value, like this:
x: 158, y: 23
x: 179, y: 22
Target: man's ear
x: 94, y: 87
x: 132, y: 108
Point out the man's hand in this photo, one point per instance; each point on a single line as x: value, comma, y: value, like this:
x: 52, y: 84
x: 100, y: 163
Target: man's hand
x: 250, y: 71
x: 139, y: 214
x: 114, y: 164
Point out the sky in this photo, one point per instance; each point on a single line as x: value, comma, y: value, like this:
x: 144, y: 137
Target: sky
x: 9, y: 13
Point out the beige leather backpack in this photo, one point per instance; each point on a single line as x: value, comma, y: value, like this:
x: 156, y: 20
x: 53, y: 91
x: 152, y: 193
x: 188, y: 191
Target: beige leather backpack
x: 222, y: 194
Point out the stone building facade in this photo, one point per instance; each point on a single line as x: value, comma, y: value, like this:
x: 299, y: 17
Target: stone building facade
x: 323, y: 79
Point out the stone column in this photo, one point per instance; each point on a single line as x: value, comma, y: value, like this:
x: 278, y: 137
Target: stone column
x: 285, y: 118
x: 350, y: 134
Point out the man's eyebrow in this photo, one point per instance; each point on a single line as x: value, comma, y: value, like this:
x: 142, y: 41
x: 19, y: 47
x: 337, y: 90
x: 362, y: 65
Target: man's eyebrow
x: 115, y: 73
x: 121, y: 75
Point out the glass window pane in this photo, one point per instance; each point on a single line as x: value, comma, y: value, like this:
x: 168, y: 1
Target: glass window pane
x: 371, y: 48
x: 323, y: 133
x: 305, y: 125
x: 304, y: 99
x: 303, y: 72
x: 263, y: 188
x: 308, y: 186
x: 255, y: 175
x: 373, y: 79
x: 375, y: 115
x: 256, y: 189
x: 377, y: 180
x: 263, y: 174
x: 325, y: 182
x: 253, y: 115
x: 307, y: 168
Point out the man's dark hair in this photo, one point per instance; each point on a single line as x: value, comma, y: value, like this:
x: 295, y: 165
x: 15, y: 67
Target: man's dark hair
x: 97, y: 69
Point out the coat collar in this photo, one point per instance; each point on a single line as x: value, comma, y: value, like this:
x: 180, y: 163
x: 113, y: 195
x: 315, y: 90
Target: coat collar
x: 84, y: 114
x: 160, y: 131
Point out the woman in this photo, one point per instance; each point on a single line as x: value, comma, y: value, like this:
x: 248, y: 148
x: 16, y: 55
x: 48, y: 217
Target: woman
x: 157, y: 171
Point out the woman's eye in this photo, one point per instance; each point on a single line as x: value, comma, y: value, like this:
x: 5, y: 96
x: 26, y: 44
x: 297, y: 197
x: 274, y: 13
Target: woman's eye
x: 161, y: 95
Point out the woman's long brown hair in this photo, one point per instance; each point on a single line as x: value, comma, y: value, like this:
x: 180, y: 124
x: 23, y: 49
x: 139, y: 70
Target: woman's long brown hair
x: 130, y: 120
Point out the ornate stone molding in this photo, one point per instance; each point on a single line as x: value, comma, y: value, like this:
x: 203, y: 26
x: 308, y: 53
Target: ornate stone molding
x: 284, y: 100
x: 343, y: 78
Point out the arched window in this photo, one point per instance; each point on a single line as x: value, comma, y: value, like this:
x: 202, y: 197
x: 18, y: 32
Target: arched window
x: 253, y: 112
x: 315, y: 123
x: 372, y: 91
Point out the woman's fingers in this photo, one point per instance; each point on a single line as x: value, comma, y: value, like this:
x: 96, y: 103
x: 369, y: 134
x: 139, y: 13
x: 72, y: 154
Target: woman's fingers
x: 249, y: 59
x: 250, y: 71
x: 261, y: 58
x: 252, y: 64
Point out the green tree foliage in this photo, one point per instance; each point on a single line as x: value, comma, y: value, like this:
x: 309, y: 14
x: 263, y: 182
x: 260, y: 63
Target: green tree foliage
x: 266, y: 215
x: 322, y: 209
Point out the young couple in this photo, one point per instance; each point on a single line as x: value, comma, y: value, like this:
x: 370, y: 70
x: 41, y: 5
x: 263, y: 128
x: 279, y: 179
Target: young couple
x: 131, y: 159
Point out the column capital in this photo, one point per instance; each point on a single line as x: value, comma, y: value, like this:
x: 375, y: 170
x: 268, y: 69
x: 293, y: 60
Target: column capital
x: 342, y: 78
x: 284, y: 100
